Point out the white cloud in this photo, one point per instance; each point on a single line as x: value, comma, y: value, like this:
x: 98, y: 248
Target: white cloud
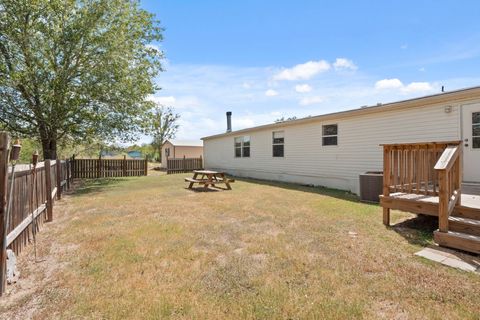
x: 311, y: 100
x: 344, y: 64
x: 388, y: 84
x: 271, y: 93
x: 303, y: 71
x: 396, y: 84
x: 417, y: 87
x: 422, y: 69
x: 404, y: 46
x: 164, y: 101
x: 246, y: 85
x: 303, y: 88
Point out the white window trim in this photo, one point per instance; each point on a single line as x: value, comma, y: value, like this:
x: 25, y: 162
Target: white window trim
x: 330, y: 135
x: 278, y: 144
x: 241, y: 147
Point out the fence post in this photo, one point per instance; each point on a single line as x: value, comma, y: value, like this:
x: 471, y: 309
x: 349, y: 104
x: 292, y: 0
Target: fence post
x: 146, y: 167
x: 4, y: 143
x: 201, y: 162
x: 99, y: 167
x: 73, y: 166
x: 48, y: 184
x: 67, y: 168
x: 184, y: 164
x: 59, y: 178
x: 124, y: 163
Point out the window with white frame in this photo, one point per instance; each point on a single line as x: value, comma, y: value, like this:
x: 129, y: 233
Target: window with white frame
x: 278, y: 144
x: 330, y: 135
x: 167, y: 152
x: 242, y: 147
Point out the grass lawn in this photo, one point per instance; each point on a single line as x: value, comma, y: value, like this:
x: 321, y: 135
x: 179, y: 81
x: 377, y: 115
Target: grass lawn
x: 147, y: 248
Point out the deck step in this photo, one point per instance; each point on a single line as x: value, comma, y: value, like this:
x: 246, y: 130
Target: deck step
x: 458, y: 240
x: 466, y: 212
x: 464, y: 225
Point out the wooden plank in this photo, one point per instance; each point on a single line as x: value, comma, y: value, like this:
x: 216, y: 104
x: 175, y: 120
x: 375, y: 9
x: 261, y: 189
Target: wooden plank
x: 24, y: 224
x: 443, y: 201
x: 4, y: 143
x: 59, y: 178
x: 413, y: 206
x: 48, y: 189
x: 447, y: 158
x: 458, y: 240
x: 454, y: 142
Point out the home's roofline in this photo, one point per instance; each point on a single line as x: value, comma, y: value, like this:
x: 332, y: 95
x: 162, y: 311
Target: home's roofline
x: 180, y: 145
x: 457, y: 95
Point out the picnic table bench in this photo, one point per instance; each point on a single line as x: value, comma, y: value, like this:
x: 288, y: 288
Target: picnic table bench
x: 209, y: 177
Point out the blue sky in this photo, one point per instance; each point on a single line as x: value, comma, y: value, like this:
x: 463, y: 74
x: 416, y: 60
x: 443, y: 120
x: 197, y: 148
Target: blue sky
x: 268, y: 59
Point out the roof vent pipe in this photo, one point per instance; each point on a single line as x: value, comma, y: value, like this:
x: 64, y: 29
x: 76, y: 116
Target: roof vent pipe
x: 229, y: 121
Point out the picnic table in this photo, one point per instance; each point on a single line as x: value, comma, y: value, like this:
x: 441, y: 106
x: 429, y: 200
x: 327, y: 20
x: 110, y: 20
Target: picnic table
x: 209, y: 177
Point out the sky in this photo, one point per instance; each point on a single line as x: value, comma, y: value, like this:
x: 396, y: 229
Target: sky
x: 264, y: 60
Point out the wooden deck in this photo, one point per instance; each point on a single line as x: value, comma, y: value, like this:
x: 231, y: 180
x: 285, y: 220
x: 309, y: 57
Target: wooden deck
x: 467, y: 200
x: 425, y: 178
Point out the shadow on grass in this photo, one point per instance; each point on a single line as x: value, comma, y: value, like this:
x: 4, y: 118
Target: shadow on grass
x: 96, y: 185
x: 335, y: 193
x: 418, y: 230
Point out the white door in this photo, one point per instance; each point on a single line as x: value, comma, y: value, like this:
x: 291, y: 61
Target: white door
x: 471, y: 142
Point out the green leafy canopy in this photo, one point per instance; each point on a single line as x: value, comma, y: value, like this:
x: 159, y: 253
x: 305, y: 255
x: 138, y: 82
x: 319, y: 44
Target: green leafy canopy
x: 73, y: 69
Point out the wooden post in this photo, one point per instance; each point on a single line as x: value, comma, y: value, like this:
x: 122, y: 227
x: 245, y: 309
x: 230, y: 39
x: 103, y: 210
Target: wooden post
x: 124, y: 163
x: 443, y: 200
x: 166, y: 162
x: 201, y: 162
x: 386, y: 182
x: 99, y: 167
x: 48, y: 190
x: 4, y: 143
x: 184, y: 164
x: 59, y: 178
x: 67, y: 167
x: 460, y: 174
x: 73, y: 167
x: 146, y: 167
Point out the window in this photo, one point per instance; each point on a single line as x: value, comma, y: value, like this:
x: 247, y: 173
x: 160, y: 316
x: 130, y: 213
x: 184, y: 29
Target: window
x: 167, y: 152
x: 476, y: 130
x: 330, y: 135
x: 242, y: 147
x: 278, y: 143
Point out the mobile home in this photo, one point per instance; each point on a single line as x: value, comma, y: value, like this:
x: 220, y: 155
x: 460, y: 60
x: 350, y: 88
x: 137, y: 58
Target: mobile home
x: 332, y: 150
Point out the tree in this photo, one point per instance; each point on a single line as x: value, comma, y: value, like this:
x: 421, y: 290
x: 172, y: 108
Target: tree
x: 76, y: 70
x: 282, y: 119
x: 163, y: 126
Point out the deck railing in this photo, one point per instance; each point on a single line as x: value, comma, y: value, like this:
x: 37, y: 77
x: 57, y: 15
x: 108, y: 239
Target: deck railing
x: 430, y: 169
x: 449, y: 169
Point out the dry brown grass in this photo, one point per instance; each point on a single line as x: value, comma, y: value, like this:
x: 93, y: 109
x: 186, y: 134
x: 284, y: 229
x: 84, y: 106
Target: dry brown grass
x: 147, y: 248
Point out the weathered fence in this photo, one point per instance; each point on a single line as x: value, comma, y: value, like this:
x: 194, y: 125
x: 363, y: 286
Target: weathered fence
x: 106, y: 168
x: 180, y: 165
x: 30, y: 203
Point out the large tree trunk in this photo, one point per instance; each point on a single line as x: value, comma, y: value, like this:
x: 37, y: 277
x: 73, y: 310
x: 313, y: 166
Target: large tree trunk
x: 49, y: 147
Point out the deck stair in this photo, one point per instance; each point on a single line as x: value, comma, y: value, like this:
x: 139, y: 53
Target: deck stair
x: 425, y: 178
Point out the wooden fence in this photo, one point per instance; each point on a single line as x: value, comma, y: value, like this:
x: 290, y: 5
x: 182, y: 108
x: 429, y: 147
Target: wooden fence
x: 106, y: 168
x: 33, y: 195
x: 180, y: 165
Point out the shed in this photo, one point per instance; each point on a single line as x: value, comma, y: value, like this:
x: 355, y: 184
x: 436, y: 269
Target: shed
x: 176, y: 149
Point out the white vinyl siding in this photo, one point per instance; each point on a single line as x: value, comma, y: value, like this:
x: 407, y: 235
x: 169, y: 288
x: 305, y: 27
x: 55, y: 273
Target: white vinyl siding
x: 307, y: 162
